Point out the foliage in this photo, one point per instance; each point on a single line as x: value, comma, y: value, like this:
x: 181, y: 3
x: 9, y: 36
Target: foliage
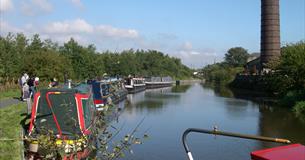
x: 288, y: 78
x: 9, y: 93
x: 112, y: 146
x: 299, y: 109
x: 224, y: 72
x: 291, y: 66
x: 220, y: 72
x: 47, y: 59
x: 10, y: 131
x: 236, y: 57
x: 292, y: 97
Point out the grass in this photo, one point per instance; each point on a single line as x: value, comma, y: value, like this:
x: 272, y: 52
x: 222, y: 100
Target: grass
x: 10, y: 131
x: 9, y: 94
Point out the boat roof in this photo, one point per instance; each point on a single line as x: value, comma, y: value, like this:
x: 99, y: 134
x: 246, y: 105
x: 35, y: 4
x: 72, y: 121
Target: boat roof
x: 288, y: 152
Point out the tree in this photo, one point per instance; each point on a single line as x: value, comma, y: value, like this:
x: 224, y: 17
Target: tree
x: 236, y: 57
x: 292, y: 66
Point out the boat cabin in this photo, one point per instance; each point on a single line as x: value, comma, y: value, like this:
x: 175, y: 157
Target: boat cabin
x: 100, y: 93
x: 134, y: 85
x: 65, y: 112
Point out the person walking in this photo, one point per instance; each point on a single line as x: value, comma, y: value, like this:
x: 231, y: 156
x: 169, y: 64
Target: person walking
x: 36, y: 84
x: 31, y: 87
x: 22, y: 81
x: 27, y: 97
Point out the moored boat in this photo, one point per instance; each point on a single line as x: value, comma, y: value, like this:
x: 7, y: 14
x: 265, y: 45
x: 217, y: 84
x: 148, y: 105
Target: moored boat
x: 134, y: 85
x: 158, y: 82
x: 117, y: 90
x: 108, y: 91
x: 101, y: 93
x: 61, y: 119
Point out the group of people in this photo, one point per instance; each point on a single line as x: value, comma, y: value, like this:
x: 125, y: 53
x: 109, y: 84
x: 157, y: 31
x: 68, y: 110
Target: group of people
x: 28, y: 87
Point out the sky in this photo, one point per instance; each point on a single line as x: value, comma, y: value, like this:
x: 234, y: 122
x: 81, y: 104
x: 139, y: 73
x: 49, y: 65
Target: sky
x: 197, y: 31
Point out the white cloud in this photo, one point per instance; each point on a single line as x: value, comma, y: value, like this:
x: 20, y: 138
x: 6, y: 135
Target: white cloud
x: 6, y: 28
x: 187, y: 46
x: 43, y: 4
x: 69, y: 27
x: 110, y: 31
x: 80, y: 26
x: 80, y: 30
x: 196, y: 58
x: 6, y: 5
x: 35, y: 7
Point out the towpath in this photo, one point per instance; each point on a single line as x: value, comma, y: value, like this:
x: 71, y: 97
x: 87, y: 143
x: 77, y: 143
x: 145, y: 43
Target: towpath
x: 8, y: 102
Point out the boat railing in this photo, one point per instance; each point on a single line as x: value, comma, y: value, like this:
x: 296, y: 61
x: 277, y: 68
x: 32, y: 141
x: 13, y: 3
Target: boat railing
x: 215, y: 131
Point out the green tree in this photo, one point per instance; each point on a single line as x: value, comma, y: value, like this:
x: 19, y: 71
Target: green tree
x: 292, y: 64
x: 236, y: 57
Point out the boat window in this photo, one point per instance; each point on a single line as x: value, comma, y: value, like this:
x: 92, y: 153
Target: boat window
x: 105, y: 89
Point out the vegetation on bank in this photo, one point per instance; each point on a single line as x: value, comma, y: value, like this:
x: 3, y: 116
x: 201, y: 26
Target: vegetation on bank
x: 9, y: 93
x: 224, y: 72
x: 10, y: 131
x: 288, y: 78
x: 47, y: 59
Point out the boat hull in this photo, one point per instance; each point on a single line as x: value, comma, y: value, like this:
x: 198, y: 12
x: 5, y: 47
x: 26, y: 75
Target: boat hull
x: 150, y: 85
x: 136, y: 89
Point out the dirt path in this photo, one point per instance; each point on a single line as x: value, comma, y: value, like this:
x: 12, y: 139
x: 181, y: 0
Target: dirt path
x: 8, y: 102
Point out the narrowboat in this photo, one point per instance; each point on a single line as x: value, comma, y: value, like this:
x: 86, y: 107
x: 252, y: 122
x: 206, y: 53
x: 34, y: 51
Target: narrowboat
x: 286, y: 152
x: 158, y: 82
x: 101, y: 93
x: 65, y: 118
x: 134, y: 85
x: 108, y: 91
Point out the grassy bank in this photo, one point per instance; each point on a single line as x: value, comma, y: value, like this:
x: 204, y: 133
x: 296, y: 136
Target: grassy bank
x: 10, y: 93
x: 10, y: 131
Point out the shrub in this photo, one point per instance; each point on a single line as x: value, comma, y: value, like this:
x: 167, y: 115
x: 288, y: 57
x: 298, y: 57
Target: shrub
x: 292, y: 97
x: 299, y: 109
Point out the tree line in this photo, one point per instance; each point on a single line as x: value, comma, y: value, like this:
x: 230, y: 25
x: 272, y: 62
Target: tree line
x: 225, y: 71
x: 47, y: 59
x: 286, y: 81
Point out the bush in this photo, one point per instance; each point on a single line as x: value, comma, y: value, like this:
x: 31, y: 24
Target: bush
x: 292, y: 97
x: 299, y: 109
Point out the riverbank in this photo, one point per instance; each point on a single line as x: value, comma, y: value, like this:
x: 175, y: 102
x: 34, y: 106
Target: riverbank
x: 9, y: 94
x: 11, y: 146
x: 191, y: 81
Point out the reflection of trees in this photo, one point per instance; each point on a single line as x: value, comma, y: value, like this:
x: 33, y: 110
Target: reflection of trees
x: 219, y: 90
x: 152, y: 100
x: 281, y: 123
x: 180, y: 88
x: 223, y: 91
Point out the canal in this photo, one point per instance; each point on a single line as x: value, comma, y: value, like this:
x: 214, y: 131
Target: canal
x: 168, y: 112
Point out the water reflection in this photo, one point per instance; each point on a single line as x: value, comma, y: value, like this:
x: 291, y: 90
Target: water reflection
x: 169, y: 111
x: 273, y: 121
x: 280, y: 122
x: 180, y: 88
x: 154, y: 100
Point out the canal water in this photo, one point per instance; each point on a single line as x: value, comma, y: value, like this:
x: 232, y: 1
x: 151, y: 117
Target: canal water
x: 168, y: 112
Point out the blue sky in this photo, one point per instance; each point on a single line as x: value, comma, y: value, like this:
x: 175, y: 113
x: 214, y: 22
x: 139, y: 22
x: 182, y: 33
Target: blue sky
x: 197, y: 31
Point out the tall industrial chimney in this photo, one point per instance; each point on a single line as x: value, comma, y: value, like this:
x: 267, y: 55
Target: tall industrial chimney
x: 270, y: 31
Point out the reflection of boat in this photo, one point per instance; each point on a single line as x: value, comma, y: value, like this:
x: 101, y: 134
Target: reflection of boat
x: 108, y: 91
x: 288, y: 152
x: 62, y: 119
x: 158, y: 82
x: 134, y: 85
